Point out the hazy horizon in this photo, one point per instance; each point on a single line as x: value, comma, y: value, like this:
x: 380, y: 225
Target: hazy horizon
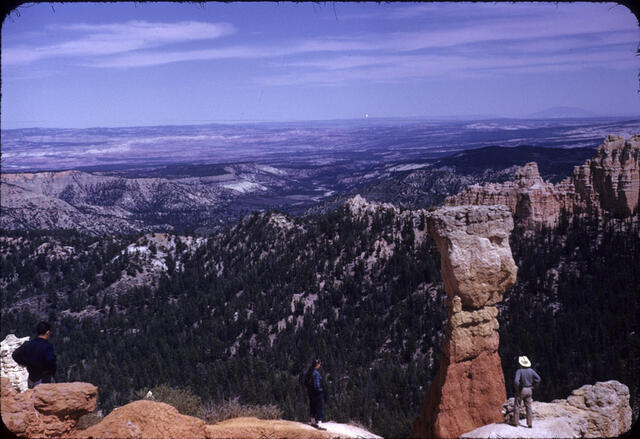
x: 148, y: 64
x: 360, y: 120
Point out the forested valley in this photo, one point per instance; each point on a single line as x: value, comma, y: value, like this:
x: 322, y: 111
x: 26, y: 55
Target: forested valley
x: 243, y: 312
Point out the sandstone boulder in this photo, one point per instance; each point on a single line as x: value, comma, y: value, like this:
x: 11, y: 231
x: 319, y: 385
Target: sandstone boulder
x: 600, y: 410
x: 477, y: 267
x: 146, y: 419
x: 48, y: 410
x: 16, y: 374
x: 65, y: 399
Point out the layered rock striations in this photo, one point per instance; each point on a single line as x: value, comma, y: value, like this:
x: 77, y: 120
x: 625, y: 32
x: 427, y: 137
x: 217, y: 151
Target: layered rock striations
x: 477, y: 267
x: 48, y: 410
x: 610, y: 182
x: 600, y: 410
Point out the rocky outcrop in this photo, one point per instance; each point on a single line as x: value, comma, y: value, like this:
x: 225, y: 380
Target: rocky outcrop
x: 610, y: 182
x: 16, y: 374
x: 150, y: 419
x: 48, y: 410
x: 146, y: 419
x: 600, y: 410
x: 254, y: 428
x: 477, y: 267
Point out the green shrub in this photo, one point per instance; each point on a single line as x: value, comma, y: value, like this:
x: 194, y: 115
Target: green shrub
x: 184, y: 400
x: 217, y: 411
x: 89, y: 420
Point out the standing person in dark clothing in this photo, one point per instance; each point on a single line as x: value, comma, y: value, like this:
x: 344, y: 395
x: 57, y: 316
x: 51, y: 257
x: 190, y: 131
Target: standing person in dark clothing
x: 526, y: 380
x: 37, y: 355
x: 313, y: 381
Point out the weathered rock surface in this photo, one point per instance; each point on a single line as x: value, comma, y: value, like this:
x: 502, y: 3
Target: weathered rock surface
x: 150, y: 419
x: 254, y: 428
x: 477, y: 267
x: 146, y: 419
x: 610, y: 182
x: 16, y: 374
x: 600, y: 410
x: 48, y: 410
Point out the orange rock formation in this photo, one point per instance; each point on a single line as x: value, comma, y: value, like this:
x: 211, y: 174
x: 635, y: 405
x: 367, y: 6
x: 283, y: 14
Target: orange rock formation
x: 610, y: 182
x: 146, y: 419
x: 477, y: 267
x: 49, y: 410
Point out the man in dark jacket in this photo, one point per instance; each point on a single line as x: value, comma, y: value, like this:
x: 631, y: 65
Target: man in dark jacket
x: 37, y: 355
x: 526, y: 380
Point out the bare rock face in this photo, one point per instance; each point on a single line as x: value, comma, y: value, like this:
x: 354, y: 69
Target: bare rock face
x: 600, y: 410
x: 532, y: 201
x: 477, y: 267
x: 16, y: 374
x: 48, y: 410
x: 610, y: 182
x: 146, y: 419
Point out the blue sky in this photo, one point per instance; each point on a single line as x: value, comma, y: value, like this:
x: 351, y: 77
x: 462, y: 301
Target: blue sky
x: 128, y: 64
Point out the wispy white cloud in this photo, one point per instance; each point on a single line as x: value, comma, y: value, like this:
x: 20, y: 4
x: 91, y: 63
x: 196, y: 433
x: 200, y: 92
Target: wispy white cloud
x: 398, y: 68
x: 498, y: 37
x: 117, y: 38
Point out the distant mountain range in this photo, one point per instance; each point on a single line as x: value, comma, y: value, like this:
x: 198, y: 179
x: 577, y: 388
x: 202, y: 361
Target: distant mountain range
x: 562, y: 113
x: 187, y: 178
x: 202, y: 197
x: 574, y: 113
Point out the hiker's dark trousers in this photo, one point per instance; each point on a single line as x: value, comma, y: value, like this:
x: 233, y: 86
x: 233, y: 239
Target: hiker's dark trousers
x: 526, y: 396
x: 316, y: 403
x: 44, y: 379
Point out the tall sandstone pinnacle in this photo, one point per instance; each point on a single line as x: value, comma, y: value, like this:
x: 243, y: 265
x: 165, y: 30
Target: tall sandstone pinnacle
x: 477, y: 267
x: 608, y: 183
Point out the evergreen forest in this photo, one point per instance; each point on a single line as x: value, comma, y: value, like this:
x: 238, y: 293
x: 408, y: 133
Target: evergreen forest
x: 243, y: 312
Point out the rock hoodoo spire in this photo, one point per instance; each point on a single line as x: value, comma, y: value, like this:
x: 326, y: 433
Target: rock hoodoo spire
x: 477, y: 267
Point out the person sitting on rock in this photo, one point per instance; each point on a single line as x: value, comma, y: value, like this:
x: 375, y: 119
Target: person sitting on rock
x: 526, y: 380
x: 38, y: 357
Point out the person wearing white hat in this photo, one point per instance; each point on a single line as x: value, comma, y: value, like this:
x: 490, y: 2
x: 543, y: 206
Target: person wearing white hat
x: 526, y: 380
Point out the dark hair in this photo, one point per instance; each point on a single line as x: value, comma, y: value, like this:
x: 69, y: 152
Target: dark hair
x: 42, y: 328
x: 313, y: 365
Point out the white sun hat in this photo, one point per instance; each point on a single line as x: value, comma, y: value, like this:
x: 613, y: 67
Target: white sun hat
x: 524, y: 361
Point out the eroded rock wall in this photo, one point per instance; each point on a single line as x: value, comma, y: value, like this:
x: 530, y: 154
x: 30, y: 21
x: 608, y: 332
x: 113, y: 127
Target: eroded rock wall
x: 610, y: 182
x: 477, y: 267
